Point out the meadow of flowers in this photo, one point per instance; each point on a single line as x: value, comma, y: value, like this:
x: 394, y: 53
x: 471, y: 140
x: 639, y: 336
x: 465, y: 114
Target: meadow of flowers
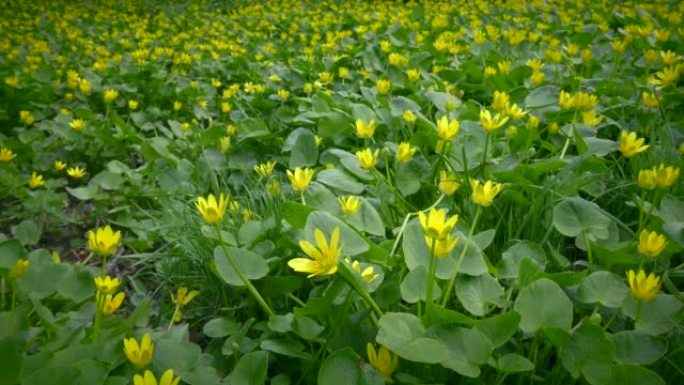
x: 341, y: 192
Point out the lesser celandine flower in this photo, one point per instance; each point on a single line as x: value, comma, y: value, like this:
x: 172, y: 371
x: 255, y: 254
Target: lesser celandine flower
x: 500, y: 100
x: 565, y: 100
x: 265, y: 169
x: 183, y: 296
x: 491, y: 124
x: 643, y: 288
x: 408, y: 116
x: 273, y: 188
x: 139, y: 355
x: 514, y: 111
x: 59, y: 165
x: 669, y: 75
x: 149, y: 379
x: 19, y: 268
x: 26, y: 117
x: 368, y: 274
x: 591, y: 118
x: 211, y: 209
x: 383, y: 86
x: 665, y: 176
x: 435, y: 224
x: 36, y: 181
x: 405, y: 152
x: 323, y: 257
x: 110, y: 95
x: 448, y: 182
x: 76, y: 172
x: 367, y: 158
x: 584, y: 101
x: 447, y: 129
x: 107, y: 284
x: 484, y: 193
x: 349, y: 204
x: 104, y: 241
x: 365, y: 130
x: 647, y: 179
x: 650, y: 100
x: 532, y: 122
x: 629, y: 145
x: 651, y: 244
x: 383, y: 360
x: 441, y: 247
x: 133, y: 104
x: 489, y: 71
x: 177, y: 105
x: 111, y: 303
x: 6, y: 154
x: 300, y: 178
x: 77, y: 124
x: 413, y: 74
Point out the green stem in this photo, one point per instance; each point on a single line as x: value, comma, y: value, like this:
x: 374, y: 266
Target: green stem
x: 98, y: 314
x: 243, y: 278
x: 452, y: 280
x: 638, y: 311
x: 173, y: 317
x: 430, y: 279
x: 303, y: 200
x: 10, y: 328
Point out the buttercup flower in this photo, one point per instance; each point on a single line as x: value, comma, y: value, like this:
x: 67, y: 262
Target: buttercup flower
x: 212, y: 210
x: 665, y: 176
x: 409, y: 116
x: 110, y: 303
x: 650, y: 100
x: 59, y: 165
x: 647, y: 179
x: 383, y: 86
x: 441, y: 247
x: 491, y: 124
x: 300, y: 178
x: 36, y: 181
x: 77, y: 124
x: 448, y: 182
x: 368, y: 274
x: 323, y: 257
x: 149, y: 379
x: 265, y: 169
x: 107, y: 285
x: 183, y: 297
x: 6, y: 154
x: 500, y: 101
x: 383, y: 360
x: 447, y: 129
x: 484, y: 194
x: 110, y: 95
x: 349, y: 204
x: 19, y: 268
x: 651, y: 244
x: 104, y: 241
x: 629, y: 145
x: 76, y: 172
x: 405, y: 152
x: 365, y: 130
x: 367, y: 158
x: 642, y: 287
x: 139, y: 355
x: 435, y: 224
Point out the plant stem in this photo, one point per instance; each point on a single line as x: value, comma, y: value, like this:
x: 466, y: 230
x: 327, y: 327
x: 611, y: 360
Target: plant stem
x: 98, y: 314
x: 452, y: 280
x: 243, y: 278
x: 430, y: 279
x: 173, y: 317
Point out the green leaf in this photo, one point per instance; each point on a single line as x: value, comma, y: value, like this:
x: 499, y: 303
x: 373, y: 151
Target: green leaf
x: 467, y: 349
x: 220, y: 327
x: 83, y: 193
x: 51, y: 375
x: 251, y: 128
x: 676, y: 231
x: 478, y: 293
x: 252, y: 265
x: 513, y: 256
x: 108, y: 180
x: 340, y: 368
x: 632, y: 347
x: 12, y: 355
x: 287, y: 347
x: 296, y: 213
x: 574, y: 216
x: 306, y: 327
x: 657, y: 316
x: 367, y: 219
x: 542, y: 97
x: 250, y: 369
x: 27, y: 232
x: 404, y: 334
x: 414, y: 286
x: 172, y: 352
x: 513, y: 363
x: 10, y: 251
x: 634, y: 375
x: 603, y: 287
x: 304, y: 152
x: 340, y: 180
x: 542, y: 304
x: 441, y: 99
x: 78, y: 285
x: 352, y: 243
x: 499, y: 328
x: 589, y: 352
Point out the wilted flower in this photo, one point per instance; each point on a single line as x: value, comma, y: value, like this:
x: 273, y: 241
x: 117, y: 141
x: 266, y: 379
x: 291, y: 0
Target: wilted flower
x: 265, y: 169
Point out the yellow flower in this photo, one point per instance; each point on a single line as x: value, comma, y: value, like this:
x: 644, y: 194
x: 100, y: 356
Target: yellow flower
x: 283, y: 94
x: 489, y: 71
x: 210, y: 209
x: 26, y: 117
x: 383, y: 86
x: 383, y: 361
x: 104, y: 241
x: 413, y: 74
x: 365, y: 130
x: 591, y: 118
x: 343, y: 72
x: 77, y: 124
x: 514, y: 111
x: 565, y: 100
x: 650, y: 100
x: 642, y: 287
x: 265, y: 169
x: 367, y: 159
x: 500, y: 101
x: 681, y: 149
x: 435, y: 224
x: 19, y: 268
x: 110, y: 95
x: 177, y: 105
x: 669, y: 57
x: 491, y: 124
x: 273, y: 188
x: 349, y: 204
x: 647, y: 179
x: 300, y: 179
x: 323, y: 259
x: 665, y: 176
x: 651, y: 244
x: 447, y: 129
x: 133, y: 104
x: 484, y: 194
x: 149, y: 379
x: 85, y: 87
x: 441, y: 247
x: 584, y: 101
x: 586, y: 55
x: 139, y: 355
x: 55, y: 257
x: 537, y: 77
x: 246, y: 215
x: 224, y: 144
x: 6, y: 154
x: 629, y: 145
x: 107, y: 285
x: 76, y: 172
x: 504, y: 66
x: 535, y: 64
x: 110, y: 303
x: 12, y: 81
x: 405, y: 152
x: 59, y: 165
x: 448, y: 182
x: 36, y: 181
x: 368, y: 274
x: 532, y: 122
x: 553, y: 128
x: 669, y: 75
